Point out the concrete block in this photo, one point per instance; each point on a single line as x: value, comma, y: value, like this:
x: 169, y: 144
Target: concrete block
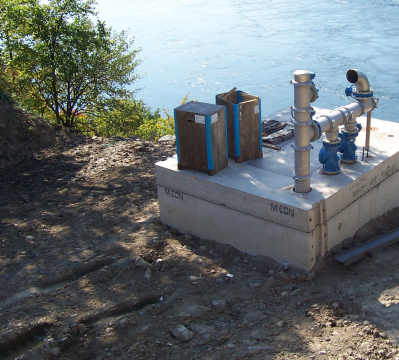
x: 252, y: 206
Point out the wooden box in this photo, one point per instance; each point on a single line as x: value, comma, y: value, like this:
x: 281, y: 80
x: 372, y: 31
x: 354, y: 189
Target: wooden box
x: 244, y: 124
x: 201, y: 136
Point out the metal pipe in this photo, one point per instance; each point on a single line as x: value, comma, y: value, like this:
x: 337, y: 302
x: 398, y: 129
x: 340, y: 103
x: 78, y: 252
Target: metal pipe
x: 368, y: 129
x: 357, y: 77
x: 303, y: 93
x: 355, y: 109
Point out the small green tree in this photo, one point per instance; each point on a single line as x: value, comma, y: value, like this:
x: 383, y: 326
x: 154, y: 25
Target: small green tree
x: 59, y: 62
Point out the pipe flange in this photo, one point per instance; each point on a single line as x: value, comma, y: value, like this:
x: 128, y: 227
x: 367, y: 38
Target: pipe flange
x: 295, y: 83
x: 317, y: 133
x: 331, y: 144
x: 362, y: 94
x: 301, y: 110
x: 301, y: 178
x: 299, y: 148
x: 294, y: 110
x: 354, y: 132
x: 298, y: 123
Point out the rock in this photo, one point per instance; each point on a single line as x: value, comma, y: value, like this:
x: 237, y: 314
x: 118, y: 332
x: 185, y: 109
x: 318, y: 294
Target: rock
x: 310, y: 276
x: 141, y: 263
x: 302, y: 278
x: 284, y: 294
x: 145, y: 185
x: 284, y: 276
x: 323, y: 352
x: 147, y: 274
x: 350, y: 296
x: 296, y: 292
x: 271, y: 272
x: 219, y: 280
x: 335, y: 305
x: 270, y: 281
x: 254, y: 316
x: 280, y: 324
x: 181, y: 333
x: 41, y: 353
x: 247, y: 342
x: 166, y: 138
x: 194, y: 310
x: 259, y: 347
x: 55, y: 351
x: 188, y: 237
x: 254, y: 285
x: 383, y: 335
x: 219, y: 305
x: 195, y: 278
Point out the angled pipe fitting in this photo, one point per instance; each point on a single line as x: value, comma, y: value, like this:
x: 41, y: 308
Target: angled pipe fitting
x: 358, y: 78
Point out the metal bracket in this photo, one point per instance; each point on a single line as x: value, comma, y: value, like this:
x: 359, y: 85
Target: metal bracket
x: 299, y: 148
x: 298, y: 123
x: 301, y: 178
x: 295, y: 83
x: 299, y: 110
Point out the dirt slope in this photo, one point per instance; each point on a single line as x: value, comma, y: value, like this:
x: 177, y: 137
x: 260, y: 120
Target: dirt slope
x: 87, y: 271
x: 21, y: 134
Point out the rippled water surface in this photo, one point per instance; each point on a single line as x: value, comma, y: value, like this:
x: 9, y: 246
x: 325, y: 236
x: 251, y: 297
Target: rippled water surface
x: 205, y: 48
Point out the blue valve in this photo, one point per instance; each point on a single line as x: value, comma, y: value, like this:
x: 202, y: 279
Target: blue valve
x: 349, y: 91
x: 312, y: 75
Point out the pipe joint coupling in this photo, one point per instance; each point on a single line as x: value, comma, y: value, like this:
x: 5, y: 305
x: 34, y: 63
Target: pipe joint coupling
x: 332, y: 123
x: 296, y: 83
x: 309, y: 110
x: 301, y: 178
x: 298, y: 123
x: 316, y: 131
x: 347, y: 115
x: 300, y: 148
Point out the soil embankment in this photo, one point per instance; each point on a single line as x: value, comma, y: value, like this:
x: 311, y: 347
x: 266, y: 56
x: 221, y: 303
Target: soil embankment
x: 88, y: 271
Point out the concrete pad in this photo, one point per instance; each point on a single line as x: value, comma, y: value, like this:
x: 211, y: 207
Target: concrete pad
x: 252, y: 206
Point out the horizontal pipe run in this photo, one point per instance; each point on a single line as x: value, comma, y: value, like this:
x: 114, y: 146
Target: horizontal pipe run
x: 356, y: 109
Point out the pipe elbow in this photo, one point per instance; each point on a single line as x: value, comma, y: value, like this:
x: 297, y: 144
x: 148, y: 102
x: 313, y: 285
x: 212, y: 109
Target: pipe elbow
x: 358, y: 78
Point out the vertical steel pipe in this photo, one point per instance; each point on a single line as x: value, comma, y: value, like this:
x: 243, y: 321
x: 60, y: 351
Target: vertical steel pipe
x: 301, y: 110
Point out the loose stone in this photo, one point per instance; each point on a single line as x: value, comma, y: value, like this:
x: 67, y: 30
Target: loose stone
x: 181, y: 333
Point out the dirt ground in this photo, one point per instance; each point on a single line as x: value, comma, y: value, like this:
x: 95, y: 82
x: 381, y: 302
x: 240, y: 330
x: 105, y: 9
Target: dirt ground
x: 88, y: 271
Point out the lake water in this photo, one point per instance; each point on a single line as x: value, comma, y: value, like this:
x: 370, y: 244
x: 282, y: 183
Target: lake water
x: 206, y: 48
